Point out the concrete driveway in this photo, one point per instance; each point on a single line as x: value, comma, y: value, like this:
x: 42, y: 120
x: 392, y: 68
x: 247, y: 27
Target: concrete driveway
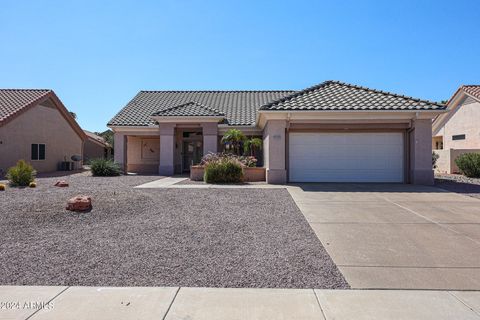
x: 396, y: 236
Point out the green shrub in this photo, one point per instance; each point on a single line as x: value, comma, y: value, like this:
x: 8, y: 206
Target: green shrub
x: 223, y: 171
x: 469, y: 164
x: 104, y: 168
x: 22, y: 174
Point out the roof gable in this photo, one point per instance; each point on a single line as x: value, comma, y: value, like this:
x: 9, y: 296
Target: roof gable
x: 463, y: 93
x: 472, y: 90
x: 13, y: 102
x: 189, y: 109
x: 96, y: 138
x: 338, y: 96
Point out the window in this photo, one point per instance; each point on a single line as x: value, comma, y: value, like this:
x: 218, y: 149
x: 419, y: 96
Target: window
x: 38, y: 151
x: 458, y: 137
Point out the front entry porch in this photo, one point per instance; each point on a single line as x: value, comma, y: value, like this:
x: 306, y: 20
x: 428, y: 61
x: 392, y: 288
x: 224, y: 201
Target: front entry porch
x: 171, y: 149
x: 184, y: 144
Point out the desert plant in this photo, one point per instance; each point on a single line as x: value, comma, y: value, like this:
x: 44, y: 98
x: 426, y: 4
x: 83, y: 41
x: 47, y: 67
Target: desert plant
x: 32, y: 185
x: 223, y: 171
x: 21, y: 174
x: 469, y: 164
x: 104, y: 168
x: 2, y: 187
x: 252, y: 145
x: 435, y: 157
x: 248, y: 161
x: 245, y: 161
x: 234, y: 138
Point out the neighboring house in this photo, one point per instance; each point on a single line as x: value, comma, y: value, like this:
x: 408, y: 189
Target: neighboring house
x: 35, y: 126
x: 96, y: 147
x: 458, y: 131
x: 332, y: 132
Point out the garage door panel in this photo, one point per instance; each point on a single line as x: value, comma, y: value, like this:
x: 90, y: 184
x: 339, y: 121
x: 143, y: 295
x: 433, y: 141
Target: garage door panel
x: 346, y: 157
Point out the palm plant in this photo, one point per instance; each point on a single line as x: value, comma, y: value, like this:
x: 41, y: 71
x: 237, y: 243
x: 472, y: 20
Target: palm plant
x: 234, y: 138
x: 252, y: 145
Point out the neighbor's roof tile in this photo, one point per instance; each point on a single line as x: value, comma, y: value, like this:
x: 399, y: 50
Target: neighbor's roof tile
x: 334, y: 95
x: 473, y: 90
x: 13, y: 101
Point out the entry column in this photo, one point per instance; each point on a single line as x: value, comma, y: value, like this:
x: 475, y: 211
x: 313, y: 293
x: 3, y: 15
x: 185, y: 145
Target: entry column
x: 274, y: 152
x: 167, y: 148
x: 120, y: 146
x: 421, y: 171
x: 210, y: 137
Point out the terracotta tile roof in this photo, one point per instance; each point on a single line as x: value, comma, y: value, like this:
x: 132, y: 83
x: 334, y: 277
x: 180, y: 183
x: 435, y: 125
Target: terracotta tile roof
x: 189, y: 109
x: 335, y: 95
x: 94, y: 137
x: 13, y: 101
x: 239, y: 107
x: 473, y: 90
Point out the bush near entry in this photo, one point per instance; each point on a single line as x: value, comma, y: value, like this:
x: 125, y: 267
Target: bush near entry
x: 469, y: 164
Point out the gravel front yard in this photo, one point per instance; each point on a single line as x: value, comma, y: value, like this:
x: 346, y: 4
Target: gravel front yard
x: 458, y: 183
x: 159, y: 237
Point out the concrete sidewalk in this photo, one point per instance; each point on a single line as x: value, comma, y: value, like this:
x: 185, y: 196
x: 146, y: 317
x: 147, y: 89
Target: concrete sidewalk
x: 19, y: 302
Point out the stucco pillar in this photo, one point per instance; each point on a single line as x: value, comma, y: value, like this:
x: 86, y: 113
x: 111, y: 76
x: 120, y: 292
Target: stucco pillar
x: 167, y: 148
x: 120, y: 149
x: 210, y: 137
x: 420, y: 140
x: 274, y: 151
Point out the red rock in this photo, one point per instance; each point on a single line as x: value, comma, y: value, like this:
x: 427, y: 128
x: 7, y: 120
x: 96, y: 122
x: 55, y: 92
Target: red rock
x: 61, y: 183
x: 79, y: 203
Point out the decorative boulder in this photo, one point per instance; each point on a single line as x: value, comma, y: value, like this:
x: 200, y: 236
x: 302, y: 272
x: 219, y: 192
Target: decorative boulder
x: 79, y: 203
x: 61, y: 183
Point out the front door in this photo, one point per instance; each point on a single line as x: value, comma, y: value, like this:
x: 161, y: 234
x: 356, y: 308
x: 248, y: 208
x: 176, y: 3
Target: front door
x: 192, y: 154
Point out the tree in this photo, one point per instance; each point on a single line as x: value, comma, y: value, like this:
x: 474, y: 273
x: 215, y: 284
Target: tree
x: 107, y: 135
x: 234, y: 138
x: 252, y: 145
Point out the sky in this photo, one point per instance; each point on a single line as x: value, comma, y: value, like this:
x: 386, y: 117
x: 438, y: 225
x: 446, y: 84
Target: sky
x: 96, y: 55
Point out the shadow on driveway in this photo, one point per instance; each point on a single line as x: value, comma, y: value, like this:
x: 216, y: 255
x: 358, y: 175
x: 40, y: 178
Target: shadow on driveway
x: 367, y: 187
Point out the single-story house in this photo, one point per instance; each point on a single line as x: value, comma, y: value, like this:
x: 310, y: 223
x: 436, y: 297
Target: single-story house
x: 35, y: 126
x: 331, y: 132
x: 458, y: 131
x: 96, y: 147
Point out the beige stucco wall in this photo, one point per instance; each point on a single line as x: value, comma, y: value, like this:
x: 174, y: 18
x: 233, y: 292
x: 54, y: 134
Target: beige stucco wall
x: 141, y: 159
x: 38, y: 125
x: 446, y: 160
x: 420, y: 138
x: 92, y: 150
x: 464, y: 120
x: 274, y: 153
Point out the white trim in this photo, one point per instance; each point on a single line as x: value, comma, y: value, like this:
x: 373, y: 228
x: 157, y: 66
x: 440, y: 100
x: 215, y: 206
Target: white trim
x: 134, y: 128
x: 308, y: 115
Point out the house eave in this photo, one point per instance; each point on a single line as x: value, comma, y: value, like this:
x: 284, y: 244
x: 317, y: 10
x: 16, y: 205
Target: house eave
x: 310, y: 115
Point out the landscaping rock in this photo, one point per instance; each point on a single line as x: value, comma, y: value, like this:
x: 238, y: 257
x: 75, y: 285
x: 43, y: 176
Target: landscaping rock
x: 61, y: 183
x: 79, y: 203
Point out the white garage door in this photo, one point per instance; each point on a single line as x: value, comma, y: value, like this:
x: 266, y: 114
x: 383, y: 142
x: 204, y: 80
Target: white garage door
x: 346, y: 157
